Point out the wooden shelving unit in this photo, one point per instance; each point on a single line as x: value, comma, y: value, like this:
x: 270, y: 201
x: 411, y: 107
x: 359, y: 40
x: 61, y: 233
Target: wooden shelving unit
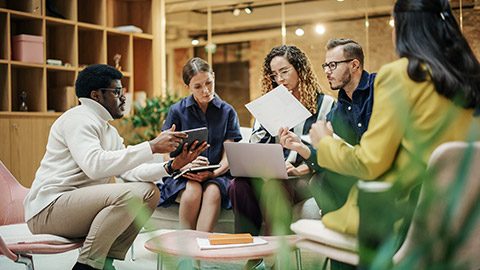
x: 85, y: 35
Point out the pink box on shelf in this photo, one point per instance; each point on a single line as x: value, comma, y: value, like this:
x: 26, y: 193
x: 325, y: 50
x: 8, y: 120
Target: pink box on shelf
x: 27, y: 48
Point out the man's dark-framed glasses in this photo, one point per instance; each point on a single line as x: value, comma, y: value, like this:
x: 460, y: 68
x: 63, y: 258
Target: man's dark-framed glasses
x: 118, y: 91
x: 331, y: 66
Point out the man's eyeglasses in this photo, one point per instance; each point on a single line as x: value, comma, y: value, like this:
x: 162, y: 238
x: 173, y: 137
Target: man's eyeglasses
x: 118, y: 92
x: 283, y: 74
x: 331, y: 66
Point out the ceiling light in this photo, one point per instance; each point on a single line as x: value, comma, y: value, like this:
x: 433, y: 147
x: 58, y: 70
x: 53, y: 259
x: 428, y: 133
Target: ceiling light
x: 391, y: 22
x: 320, y: 29
x: 367, y: 23
x: 299, y: 32
x: 195, y: 42
x: 340, y: 0
x: 236, y: 11
x: 248, y: 10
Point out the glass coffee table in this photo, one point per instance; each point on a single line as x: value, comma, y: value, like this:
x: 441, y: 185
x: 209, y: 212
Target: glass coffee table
x: 183, y: 243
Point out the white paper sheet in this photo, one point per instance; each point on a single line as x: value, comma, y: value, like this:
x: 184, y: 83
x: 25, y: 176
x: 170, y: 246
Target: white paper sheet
x: 278, y: 108
x: 204, y: 243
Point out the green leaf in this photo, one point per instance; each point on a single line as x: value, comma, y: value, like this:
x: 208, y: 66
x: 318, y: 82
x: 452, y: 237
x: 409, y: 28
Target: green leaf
x: 148, y: 121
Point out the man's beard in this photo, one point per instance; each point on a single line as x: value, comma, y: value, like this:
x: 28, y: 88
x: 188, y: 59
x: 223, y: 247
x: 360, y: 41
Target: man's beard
x: 346, y: 78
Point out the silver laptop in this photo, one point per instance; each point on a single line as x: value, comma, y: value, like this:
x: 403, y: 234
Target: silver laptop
x: 256, y: 160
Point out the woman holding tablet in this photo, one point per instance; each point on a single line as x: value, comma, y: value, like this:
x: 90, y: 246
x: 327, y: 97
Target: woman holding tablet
x: 204, y: 192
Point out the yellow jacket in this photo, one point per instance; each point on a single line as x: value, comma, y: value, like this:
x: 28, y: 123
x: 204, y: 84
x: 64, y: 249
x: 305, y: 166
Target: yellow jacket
x: 409, y: 120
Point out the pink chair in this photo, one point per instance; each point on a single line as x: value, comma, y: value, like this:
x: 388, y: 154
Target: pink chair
x: 446, y: 219
x: 16, y: 240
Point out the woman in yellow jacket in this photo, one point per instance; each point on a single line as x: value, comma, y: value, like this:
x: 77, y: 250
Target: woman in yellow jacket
x: 429, y: 96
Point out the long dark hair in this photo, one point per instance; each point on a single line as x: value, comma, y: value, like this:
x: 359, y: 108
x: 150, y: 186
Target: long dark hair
x: 427, y: 33
x: 308, y: 85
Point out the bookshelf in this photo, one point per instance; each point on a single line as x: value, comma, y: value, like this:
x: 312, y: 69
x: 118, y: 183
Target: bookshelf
x: 85, y: 34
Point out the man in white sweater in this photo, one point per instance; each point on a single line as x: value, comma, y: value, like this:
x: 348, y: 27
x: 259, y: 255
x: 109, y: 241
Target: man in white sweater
x: 71, y: 195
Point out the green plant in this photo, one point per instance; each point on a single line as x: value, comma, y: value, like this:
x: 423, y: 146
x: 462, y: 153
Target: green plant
x: 147, y: 121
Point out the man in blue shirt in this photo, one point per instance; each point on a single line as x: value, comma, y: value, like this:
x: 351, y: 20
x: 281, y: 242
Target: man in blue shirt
x: 350, y: 116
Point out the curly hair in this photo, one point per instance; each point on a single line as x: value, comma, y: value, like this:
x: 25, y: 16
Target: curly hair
x: 309, y: 87
x: 95, y: 77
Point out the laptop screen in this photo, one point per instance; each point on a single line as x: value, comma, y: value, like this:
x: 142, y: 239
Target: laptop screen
x: 256, y: 160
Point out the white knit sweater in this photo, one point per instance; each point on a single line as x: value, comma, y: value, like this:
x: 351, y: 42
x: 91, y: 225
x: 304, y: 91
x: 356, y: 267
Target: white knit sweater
x: 83, y: 149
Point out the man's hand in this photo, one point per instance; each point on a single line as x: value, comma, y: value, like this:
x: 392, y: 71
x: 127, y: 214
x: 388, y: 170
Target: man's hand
x: 167, y: 141
x: 319, y: 130
x: 190, y: 154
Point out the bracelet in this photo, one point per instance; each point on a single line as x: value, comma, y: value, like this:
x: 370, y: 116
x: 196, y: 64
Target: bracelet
x: 169, y: 168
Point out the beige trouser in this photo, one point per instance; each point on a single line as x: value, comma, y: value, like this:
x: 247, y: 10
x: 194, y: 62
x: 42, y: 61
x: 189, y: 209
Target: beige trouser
x: 109, y: 216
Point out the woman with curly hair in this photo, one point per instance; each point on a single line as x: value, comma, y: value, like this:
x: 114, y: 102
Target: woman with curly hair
x: 303, y: 83
x: 289, y: 66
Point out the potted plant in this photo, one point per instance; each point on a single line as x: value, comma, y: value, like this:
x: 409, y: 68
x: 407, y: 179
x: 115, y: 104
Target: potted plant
x: 147, y: 121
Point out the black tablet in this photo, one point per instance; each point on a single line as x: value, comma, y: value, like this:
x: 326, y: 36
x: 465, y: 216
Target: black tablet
x: 196, y: 134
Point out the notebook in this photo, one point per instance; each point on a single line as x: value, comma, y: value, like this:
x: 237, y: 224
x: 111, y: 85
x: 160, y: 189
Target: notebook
x: 256, y: 160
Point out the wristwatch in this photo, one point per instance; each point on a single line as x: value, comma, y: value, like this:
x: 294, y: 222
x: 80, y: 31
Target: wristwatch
x: 168, y: 167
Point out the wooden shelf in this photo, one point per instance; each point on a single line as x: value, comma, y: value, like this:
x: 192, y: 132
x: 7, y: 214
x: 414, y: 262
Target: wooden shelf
x: 61, y: 41
x: 120, y: 44
x: 89, y: 26
x: 91, y: 11
x: 126, y: 74
x: 21, y: 24
x: 34, y: 87
x: 60, y: 90
x: 31, y: 114
x: 20, y: 64
x: 4, y: 88
x: 139, y: 12
x: 143, y: 65
x: 59, y: 21
x: 91, y: 46
x: 142, y: 36
x: 81, y: 33
x: 60, y: 68
x: 19, y: 14
x: 66, y: 8
x: 4, y: 46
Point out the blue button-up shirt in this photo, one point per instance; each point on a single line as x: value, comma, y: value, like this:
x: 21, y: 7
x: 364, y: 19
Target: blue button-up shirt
x: 220, y: 119
x: 350, y: 117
